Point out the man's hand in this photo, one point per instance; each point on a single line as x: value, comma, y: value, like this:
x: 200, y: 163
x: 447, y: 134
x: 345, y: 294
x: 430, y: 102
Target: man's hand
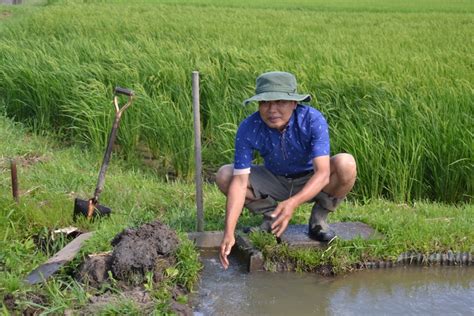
x: 226, y: 246
x: 282, y: 214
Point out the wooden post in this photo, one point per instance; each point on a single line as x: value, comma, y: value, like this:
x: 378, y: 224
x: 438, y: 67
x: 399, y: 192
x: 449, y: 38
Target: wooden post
x: 197, y: 152
x: 14, y: 180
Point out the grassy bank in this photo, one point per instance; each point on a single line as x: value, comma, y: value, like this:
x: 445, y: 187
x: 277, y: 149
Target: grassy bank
x: 394, y: 80
x: 50, y: 176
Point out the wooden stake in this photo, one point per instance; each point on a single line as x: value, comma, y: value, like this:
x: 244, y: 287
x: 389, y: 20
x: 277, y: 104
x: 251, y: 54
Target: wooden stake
x: 14, y: 181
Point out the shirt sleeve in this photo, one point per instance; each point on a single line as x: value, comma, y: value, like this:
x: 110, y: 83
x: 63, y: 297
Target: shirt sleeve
x: 243, y: 151
x: 319, y: 136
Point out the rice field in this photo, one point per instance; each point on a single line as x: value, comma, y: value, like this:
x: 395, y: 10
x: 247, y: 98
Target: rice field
x: 393, y: 78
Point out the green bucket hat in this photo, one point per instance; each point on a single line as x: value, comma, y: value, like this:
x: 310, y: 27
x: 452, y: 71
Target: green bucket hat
x: 277, y: 85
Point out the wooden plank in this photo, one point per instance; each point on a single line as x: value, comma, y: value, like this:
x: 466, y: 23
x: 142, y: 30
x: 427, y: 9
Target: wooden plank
x: 54, y: 263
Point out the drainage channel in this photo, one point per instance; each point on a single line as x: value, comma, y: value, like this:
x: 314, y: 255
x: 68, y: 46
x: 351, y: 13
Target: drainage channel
x: 403, y: 289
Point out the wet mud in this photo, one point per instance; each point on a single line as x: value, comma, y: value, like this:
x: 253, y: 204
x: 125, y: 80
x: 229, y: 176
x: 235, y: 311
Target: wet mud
x: 137, y: 252
x: 149, y: 248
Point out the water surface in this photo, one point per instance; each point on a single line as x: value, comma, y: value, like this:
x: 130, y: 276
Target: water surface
x: 401, y: 290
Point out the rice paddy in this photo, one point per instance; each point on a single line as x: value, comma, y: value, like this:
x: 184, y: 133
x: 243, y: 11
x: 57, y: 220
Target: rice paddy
x: 394, y: 80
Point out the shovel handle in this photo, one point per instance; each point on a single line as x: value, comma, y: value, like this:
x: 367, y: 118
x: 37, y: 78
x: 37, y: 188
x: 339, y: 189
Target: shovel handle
x: 113, y: 135
x: 120, y: 90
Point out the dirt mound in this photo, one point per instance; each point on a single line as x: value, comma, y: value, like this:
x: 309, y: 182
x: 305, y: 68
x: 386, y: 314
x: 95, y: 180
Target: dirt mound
x: 148, y: 248
x: 141, y: 250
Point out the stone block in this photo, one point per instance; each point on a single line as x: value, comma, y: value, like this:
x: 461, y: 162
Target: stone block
x: 297, y: 235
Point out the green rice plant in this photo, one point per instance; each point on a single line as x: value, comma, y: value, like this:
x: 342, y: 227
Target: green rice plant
x: 392, y: 77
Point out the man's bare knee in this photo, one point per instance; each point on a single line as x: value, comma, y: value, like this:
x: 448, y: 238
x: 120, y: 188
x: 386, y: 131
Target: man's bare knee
x: 346, y: 168
x: 343, y: 175
x: 223, y: 177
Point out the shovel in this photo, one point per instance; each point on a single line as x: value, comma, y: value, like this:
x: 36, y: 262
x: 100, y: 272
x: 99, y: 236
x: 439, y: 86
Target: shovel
x: 91, y: 207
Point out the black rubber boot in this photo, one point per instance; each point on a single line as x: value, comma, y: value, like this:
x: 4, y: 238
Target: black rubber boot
x: 318, y: 227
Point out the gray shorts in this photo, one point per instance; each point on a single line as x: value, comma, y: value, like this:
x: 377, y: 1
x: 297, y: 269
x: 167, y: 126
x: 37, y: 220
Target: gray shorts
x: 269, y: 189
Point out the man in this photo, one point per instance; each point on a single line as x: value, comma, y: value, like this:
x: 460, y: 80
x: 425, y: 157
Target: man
x: 293, y: 140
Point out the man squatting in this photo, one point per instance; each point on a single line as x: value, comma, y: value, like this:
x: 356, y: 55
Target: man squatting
x: 293, y: 140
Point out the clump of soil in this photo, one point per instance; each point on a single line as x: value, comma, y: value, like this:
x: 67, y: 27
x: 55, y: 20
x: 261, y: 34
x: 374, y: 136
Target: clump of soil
x: 148, y: 248
x: 145, y: 249
x: 95, y: 269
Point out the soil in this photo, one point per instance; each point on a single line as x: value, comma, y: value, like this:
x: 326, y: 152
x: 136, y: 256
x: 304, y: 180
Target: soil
x: 148, y: 248
x: 94, y: 271
x: 29, y: 303
x: 141, y: 250
x: 9, y: 302
x: 137, y: 295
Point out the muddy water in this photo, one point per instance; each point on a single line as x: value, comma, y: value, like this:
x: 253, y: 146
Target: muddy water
x: 409, y: 290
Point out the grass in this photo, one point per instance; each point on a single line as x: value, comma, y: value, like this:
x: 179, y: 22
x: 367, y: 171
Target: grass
x: 393, y: 78
x: 50, y: 183
x: 420, y: 228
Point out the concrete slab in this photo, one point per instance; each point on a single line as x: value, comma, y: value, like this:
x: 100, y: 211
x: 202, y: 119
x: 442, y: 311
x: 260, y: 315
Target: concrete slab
x: 207, y: 240
x: 297, y: 235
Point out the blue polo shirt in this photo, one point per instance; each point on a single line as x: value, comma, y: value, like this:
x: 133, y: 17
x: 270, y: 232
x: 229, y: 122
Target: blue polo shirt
x: 284, y: 153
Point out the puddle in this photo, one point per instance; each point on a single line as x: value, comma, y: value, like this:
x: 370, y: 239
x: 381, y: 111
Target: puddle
x: 446, y: 290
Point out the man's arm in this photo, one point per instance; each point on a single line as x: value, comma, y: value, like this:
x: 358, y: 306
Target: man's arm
x: 235, y: 203
x: 315, y: 184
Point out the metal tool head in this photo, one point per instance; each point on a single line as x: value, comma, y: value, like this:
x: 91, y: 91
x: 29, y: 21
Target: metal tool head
x: 82, y: 207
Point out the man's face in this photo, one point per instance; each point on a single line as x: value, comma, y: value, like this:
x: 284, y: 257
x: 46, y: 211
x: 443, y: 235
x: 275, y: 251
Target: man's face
x: 276, y: 113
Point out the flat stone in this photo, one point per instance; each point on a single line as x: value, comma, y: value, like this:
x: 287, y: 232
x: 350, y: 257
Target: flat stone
x: 207, y: 240
x: 297, y: 235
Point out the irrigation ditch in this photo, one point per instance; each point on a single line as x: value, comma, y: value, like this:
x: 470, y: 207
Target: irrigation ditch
x: 249, y: 288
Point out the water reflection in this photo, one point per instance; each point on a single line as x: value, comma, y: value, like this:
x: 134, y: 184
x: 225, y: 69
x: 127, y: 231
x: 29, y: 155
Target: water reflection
x: 439, y: 290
